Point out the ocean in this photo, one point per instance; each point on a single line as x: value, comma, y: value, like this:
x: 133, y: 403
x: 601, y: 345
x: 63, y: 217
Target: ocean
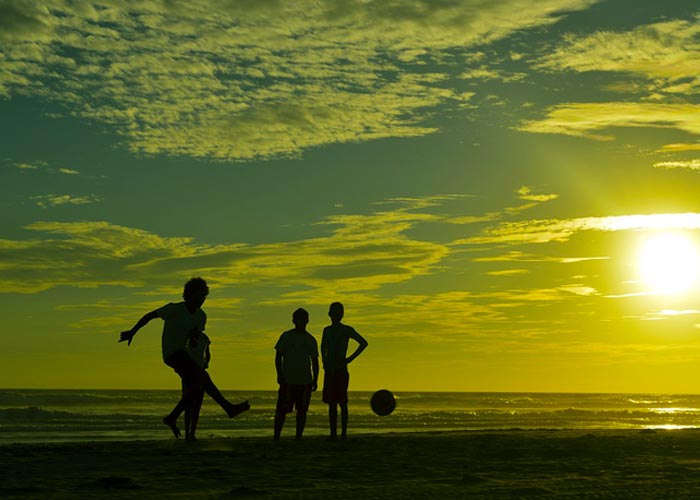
x: 31, y: 416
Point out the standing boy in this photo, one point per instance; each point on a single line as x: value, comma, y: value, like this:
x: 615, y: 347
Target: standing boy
x: 183, y: 320
x: 296, y: 362
x: 334, y: 349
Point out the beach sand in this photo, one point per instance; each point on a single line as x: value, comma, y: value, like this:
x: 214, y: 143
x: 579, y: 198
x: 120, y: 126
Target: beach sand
x: 565, y: 464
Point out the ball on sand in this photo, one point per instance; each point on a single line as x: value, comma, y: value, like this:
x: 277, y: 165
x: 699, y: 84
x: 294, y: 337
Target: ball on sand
x: 382, y: 402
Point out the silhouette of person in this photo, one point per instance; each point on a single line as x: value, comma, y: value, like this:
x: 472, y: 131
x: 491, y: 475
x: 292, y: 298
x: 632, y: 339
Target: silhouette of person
x: 181, y: 321
x: 296, y: 363
x: 336, y: 378
x: 198, y: 348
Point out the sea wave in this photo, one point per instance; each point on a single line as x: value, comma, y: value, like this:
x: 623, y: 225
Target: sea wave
x: 32, y: 413
x: 41, y: 415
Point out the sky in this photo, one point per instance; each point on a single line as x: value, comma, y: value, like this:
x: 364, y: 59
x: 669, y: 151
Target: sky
x: 502, y: 193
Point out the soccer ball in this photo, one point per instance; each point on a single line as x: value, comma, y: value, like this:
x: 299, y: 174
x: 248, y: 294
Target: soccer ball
x: 382, y: 402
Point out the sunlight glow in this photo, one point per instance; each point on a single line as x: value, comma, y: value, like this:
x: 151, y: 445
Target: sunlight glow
x: 668, y: 222
x: 669, y: 263
x: 669, y: 427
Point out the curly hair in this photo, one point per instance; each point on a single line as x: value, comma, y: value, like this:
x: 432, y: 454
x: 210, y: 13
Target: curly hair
x: 195, y: 285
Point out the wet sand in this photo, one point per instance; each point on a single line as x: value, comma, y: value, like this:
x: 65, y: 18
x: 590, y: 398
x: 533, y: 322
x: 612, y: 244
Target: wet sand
x: 511, y: 464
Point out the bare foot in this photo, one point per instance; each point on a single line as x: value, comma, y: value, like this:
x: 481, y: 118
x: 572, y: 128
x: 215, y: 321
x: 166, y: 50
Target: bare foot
x: 173, y: 426
x: 235, y: 410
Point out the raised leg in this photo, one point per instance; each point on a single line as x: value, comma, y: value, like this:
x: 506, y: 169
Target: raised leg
x: 208, y: 384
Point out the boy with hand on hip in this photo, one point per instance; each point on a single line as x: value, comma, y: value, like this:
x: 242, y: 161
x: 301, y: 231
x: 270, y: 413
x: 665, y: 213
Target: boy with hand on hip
x: 334, y: 348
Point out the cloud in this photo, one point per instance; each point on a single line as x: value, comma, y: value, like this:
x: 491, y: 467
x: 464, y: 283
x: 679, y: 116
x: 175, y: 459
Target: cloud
x: 246, y: 80
x: 363, y: 252
x: 108, y: 240
x: 476, y: 322
x: 689, y: 164
x: 677, y: 312
x: 30, y: 165
x: 584, y: 290
x: 666, y: 53
x: 525, y: 193
x: 518, y: 256
x: 53, y: 200
x: 545, y: 231
x: 24, y: 21
x: 676, y: 147
x: 508, y: 272
x: 359, y: 259
x: 532, y: 295
x: 84, y: 255
x: 41, y: 166
x: 485, y: 73
x: 587, y: 119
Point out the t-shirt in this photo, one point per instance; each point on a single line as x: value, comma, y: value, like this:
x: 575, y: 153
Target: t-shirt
x: 178, y: 322
x: 334, y: 345
x: 297, y: 351
x: 198, y: 349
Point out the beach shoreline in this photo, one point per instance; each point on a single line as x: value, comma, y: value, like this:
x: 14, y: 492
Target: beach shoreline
x: 490, y: 464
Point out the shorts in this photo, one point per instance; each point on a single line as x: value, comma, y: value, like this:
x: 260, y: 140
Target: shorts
x: 292, y: 396
x: 185, y: 366
x: 335, y: 386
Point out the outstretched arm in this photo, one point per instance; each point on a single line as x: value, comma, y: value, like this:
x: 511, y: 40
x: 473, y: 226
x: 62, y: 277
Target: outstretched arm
x: 362, y: 345
x: 129, y: 334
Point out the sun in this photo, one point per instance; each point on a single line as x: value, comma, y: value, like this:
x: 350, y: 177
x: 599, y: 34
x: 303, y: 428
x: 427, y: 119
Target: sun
x: 669, y: 263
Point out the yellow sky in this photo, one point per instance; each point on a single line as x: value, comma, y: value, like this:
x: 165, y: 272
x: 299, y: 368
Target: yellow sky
x: 502, y: 194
